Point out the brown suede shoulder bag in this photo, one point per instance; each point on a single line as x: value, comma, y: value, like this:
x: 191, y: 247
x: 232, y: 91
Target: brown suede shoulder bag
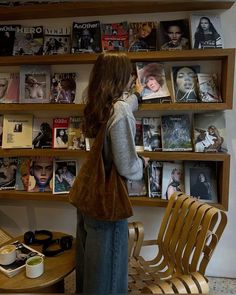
x: 96, y: 194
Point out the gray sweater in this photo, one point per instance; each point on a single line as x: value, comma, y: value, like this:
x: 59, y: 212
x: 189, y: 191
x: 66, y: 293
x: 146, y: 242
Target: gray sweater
x: 119, y: 144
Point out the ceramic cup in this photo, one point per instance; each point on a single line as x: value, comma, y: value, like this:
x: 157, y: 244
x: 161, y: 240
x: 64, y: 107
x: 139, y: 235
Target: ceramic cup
x: 7, y: 254
x: 34, y: 267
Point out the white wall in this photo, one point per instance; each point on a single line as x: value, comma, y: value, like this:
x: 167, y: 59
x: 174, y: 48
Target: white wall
x: 20, y: 216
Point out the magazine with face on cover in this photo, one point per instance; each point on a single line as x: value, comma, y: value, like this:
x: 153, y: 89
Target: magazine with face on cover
x: 42, y: 132
x: 76, y: 138
x: 155, y: 179
x: 151, y: 134
x: 8, y: 168
x: 9, y: 87
x: 209, y: 87
x: 23, y: 174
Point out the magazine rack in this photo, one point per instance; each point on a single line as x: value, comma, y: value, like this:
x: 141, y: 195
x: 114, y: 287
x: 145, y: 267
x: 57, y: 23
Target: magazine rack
x: 189, y: 233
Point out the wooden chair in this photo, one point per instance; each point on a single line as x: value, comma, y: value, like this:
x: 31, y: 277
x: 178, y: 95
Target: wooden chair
x: 188, y: 235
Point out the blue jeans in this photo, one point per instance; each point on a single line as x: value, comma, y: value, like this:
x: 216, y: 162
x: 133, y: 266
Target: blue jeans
x: 102, y: 256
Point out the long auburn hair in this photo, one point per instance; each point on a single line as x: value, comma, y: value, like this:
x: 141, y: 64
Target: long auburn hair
x: 108, y: 80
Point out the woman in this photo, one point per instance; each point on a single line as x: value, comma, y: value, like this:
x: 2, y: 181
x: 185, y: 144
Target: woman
x: 206, y: 35
x: 202, y: 188
x: 175, y: 184
x: 102, y: 265
x: 185, y: 80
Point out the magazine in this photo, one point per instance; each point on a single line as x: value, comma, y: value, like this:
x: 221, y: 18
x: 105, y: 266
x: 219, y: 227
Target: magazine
x: 64, y: 174
x: 34, y: 84
x: 206, y: 31
x: 152, y: 134
x: 174, y: 35
x: 210, y: 132
x: 41, y: 172
x: 60, y: 133
x: 185, y: 84
x: 176, y: 133
x: 139, y: 135
x: 56, y: 40
x: 7, y: 37
x: 17, y: 131
x: 1, y: 129
x: 152, y: 78
x: 86, y: 37
x: 208, y: 88
x: 201, y: 180
x: 8, y: 168
x: 23, y: 252
x: 76, y: 138
x: 143, y: 36
x: 28, y: 41
x: 9, y: 87
x: 155, y: 179
x: 137, y: 187
x: 172, y: 179
x: 115, y: 36
x: 22, y: 174
x: 64, y: 88
x: 42, y: 133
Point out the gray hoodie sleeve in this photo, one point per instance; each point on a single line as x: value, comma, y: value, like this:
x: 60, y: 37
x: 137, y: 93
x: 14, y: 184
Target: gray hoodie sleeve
x: 124, y: 154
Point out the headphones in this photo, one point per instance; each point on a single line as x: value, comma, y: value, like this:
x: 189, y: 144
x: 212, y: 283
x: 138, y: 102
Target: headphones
x: 31, y: 237
x: 64, y: 242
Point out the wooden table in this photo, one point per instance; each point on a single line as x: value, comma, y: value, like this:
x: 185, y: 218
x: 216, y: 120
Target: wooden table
x: 52, y: 280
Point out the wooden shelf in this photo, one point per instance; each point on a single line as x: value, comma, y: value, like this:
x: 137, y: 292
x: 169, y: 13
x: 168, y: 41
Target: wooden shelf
x: 96, y: 8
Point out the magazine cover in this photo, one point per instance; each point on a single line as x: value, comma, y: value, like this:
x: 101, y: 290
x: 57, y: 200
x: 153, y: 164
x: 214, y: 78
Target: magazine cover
x: 86, y: 37
x: 42, y: 133
x: 152, y: 134
x: 208, y: 88
x: 22, y: 174
x: 172, y: 179
x: 115, y: 36
x: 7, y: 37
x: 137, y: 187
x: 155, y: 179
x: 9, y: 87
x: 34, y: 84
x: 143, y: 36
x: 201, y: 180
x: 1, y: 129
x: 56, y: 40
x: 206, y: 31
x: 28, y: 41
x: 174, y: 35
x: 41, y: 172
x: 8, y: 168
x: 152, y: 78
x: 76, y: 138
x: 176, y: 133
x: 64, y: 88
x: 17, y: 131
x: 64, y: 173
x: 60, y: 133
x: 210, y: 132
x: 185, y: 84
x: 139, y: 135
x: 23, y: 252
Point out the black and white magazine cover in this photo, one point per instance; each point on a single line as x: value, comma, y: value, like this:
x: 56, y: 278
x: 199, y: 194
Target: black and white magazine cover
x: 42, y: 132
x: 142, y: 36
x: 34, y: 84
x: 28, y: 41
x: 209, y: 88
x: 155, y: 179
x: 139, y: 135
x: 64, y: 174
x: 210, y: 132
x: 9, y: 87
x: 8, y: 168
x: 7, y: 37
x: 86, y: 37
x: 64, y: 88
x: 176, y: 133
x: 57, y: 40
x: 201, y: 180
x: 151, y: 76
x: 185, y: 83
x: 172, y: 179
x: 152, y: 134
x: 174, y: 35
x: 206, y: 31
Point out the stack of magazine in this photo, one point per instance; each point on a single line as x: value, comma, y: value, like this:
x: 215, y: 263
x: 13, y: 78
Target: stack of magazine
x: 23, y: 252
